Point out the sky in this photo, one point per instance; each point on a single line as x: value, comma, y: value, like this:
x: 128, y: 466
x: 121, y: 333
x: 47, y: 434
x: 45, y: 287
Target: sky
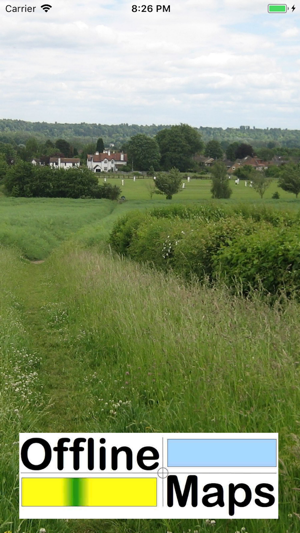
x: 220, y: 63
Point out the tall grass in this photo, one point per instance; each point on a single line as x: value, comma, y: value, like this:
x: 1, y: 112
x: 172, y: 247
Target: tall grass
x: 159, y: 356
x: 36, y: 226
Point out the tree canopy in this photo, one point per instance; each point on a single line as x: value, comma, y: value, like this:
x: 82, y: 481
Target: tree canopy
x: 213, y: 149
x: 290, y: 179
x: 220, y: 183
x: 177, y: 146
x: 169, y: 183
x: 143, y: 153
x: 100, y: 145
x: 243, y: 150
x: 260, y: 183
x: 23, y: 179
x: 231, y: 151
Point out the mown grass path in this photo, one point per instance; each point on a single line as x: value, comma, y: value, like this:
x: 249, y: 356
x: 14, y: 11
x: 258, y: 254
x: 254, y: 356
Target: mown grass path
x: 45, y: 318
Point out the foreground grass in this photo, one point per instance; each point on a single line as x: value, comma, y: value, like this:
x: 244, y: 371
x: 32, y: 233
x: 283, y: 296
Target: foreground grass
x: 119, y: 348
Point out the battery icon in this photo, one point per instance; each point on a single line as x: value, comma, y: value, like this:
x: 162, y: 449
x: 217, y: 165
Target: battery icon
x: 277, y: 8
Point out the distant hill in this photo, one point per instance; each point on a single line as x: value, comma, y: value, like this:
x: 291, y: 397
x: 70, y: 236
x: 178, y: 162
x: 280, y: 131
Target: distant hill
x: 19, y: 131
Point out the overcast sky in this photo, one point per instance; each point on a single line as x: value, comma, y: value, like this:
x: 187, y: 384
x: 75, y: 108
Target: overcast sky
x: 219, y: 63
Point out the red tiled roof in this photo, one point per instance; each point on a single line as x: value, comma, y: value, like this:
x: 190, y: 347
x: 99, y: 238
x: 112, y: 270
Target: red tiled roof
x: 100, y: 157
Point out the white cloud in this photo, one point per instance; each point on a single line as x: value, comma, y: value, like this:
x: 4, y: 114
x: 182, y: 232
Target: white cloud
x: 291, y: 32
x: 99, y: 62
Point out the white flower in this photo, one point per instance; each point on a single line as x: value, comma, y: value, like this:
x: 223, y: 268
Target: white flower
x: 42, y: 530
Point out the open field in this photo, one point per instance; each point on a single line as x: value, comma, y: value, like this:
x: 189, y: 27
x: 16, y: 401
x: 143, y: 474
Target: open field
x: 195, y: 190
x: 91, y: 342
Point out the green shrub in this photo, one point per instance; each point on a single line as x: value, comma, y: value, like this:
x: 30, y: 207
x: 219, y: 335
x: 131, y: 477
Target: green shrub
x: 195, y: 253
x: 155, y: 240
x: 203, y: 212
x: 108, y: 191
x: 123, y: 231
x: 267, y: 214
x: 256, y: 247
x: 269, y: 259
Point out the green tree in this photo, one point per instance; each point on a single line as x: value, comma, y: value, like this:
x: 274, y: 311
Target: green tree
x: 260, y: 183
x: 290, y: 179
x: 3, y: 168
x: 64, y: 147
x: 244, y: 172
x: 264, y: 153
x: 32, y: 147
x: 220, y: 183
x: 23, y: 179
x: 169, y: 184
x: 243, y: 150
x: 9, y: 152
x: 109, y: 191
x: 143, y: 152
x: 18, y: 179
x: 231, y: 151
x: 87, y: 149
x: 100, y: 145
x: 213, y: 149
x: 177, y: 146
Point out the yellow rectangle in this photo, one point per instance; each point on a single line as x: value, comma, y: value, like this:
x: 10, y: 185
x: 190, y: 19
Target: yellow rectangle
x: 120, y: 492
x: 44, y: 492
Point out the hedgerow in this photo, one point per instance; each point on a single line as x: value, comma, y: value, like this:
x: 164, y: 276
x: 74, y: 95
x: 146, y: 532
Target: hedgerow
x: 269, y: 259
x: 248, y: 247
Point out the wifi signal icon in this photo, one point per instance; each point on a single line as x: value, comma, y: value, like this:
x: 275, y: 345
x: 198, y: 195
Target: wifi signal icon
x: 46, y: 7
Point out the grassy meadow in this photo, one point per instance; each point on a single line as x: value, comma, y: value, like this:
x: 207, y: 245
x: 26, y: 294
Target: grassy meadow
x: 92, y: 342
x: 196, y: 189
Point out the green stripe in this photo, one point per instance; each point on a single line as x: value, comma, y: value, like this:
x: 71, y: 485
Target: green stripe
x: 75, y: 491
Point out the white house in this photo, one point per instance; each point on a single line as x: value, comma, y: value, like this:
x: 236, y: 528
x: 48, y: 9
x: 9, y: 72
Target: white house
x: 64, y: 162
x: 106, y: 161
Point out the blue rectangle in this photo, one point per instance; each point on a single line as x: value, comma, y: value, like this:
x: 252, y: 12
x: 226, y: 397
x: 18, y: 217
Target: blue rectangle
x: 222, y: 452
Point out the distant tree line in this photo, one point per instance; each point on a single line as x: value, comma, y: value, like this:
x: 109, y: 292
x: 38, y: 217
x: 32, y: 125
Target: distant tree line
x: 19, y: 131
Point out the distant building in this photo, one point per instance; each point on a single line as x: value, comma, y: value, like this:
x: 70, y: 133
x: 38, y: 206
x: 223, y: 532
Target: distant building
x: 253, y: 162
x: 106, y: 161
x: 64, y: 162
x: 203, y: 161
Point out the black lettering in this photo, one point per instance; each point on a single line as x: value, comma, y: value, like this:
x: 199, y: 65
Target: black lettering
x: 47, y: 450
x: 102, y: 455
x: 91, y: 454
x: 76, y: 449
x: 114, y: 457
x: 232, y: 500
x: 262, y: 494
x: 7, y: 9
x: 141, y: 458
x: 191, y: 483
x: 60, y: 449
x: 219, y: 495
